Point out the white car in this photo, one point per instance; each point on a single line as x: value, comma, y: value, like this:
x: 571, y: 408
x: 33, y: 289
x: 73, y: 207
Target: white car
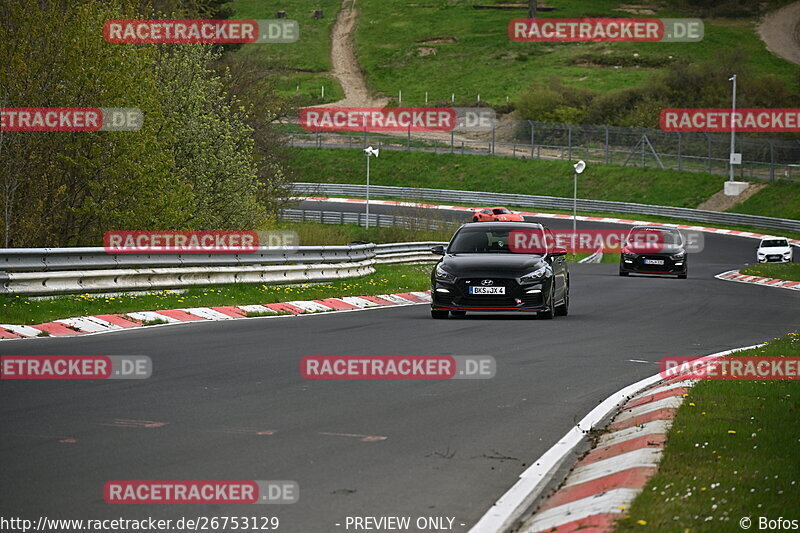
x: 774, y: 250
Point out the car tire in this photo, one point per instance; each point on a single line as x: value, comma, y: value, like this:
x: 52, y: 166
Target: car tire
x: 435, y: 313
x: 563, y: 309
x: 475, y: 219
x: 550, y: 313
x: 621, y: 273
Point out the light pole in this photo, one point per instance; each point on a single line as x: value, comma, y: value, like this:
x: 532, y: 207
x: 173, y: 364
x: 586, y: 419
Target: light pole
x: 369, y: 151
x: 580, y: 166
x: 733, y: 129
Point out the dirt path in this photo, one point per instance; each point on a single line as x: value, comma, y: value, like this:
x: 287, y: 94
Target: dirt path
x: 345, y: 65
x: 780, y: 31
x: 720, y: 202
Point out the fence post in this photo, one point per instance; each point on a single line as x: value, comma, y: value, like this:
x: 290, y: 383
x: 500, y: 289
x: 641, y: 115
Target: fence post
x: 708, y: 139
x: 494, y: 138
x: 606, y: 128
x: 452, y: 141
x: 771, y: 161
x: 408, y: 145
x: 680, y: 161
x: 341, y: 217
x: 569, y: 142
x: 532, y: 137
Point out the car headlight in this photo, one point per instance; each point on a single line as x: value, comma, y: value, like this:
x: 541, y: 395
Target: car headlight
x: 761, y: 254
x: 787, y: 254
x: 442, y: 274
x: 537, y: 274
x: 678, y: 257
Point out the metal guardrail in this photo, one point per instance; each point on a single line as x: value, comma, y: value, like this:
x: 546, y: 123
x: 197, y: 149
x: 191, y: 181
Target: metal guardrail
x: 543, y: 202
x: 42, y: 271
x: 376, y: 220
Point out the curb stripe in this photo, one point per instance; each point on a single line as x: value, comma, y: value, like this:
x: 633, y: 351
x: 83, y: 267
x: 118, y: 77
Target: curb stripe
x: 641, y: 457
x: 632, y: 478
x: 661, y: 414
x: 655, y: 440
x: 655, y: 427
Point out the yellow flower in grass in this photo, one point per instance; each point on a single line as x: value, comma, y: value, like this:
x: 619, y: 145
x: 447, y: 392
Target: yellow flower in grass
x: 642, y: 522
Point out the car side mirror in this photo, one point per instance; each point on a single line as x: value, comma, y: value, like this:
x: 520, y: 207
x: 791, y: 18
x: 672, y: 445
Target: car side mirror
x: 558, y: 251
x: 438, y: 249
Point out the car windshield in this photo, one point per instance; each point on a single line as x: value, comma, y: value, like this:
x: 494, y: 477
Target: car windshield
x: 480, y: 240
x: 774, y: 243
x: 501, y: 211
x: 646, y: 236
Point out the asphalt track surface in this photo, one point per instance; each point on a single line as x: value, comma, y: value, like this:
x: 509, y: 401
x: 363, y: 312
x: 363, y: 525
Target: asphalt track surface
x: 451, y: 448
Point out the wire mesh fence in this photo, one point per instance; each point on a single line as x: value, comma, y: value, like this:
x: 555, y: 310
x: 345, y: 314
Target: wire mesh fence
x: 762, y: 159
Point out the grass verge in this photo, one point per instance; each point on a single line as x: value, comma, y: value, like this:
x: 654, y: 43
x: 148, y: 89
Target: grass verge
x: 446, y: 47
x: 787, y: 271
x: 731, y: 453
x: 386, y: 279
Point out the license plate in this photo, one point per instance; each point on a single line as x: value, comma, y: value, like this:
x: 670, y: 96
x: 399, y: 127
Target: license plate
x: 653, y: 261
x: 487, y: 290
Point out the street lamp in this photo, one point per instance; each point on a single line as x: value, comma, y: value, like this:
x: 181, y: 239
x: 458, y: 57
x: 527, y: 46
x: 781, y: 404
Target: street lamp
x: 580, y: 166
x: 369, y: 151
x: 733, y: 129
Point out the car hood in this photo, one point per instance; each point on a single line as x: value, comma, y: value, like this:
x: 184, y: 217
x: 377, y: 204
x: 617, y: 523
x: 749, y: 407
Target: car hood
x: 662, y: 249
x: 774, y: 250
x: 486, y: 264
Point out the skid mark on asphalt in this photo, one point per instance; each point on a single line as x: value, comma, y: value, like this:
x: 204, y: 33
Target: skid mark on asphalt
x: 60, y: 438
x: 128, y: 423
x: 362, y: 438
x: 245, y: 431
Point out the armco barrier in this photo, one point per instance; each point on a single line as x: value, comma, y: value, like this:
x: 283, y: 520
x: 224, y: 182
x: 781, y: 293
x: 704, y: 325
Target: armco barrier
x: 543, y: 202
x: 43, y: 271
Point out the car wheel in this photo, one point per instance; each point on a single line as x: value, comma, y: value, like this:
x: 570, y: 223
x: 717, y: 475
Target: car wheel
x: 550, y: 313
x: 435, y: 313
x: 474, y: 219
x: 621, y: 273
x: 563, y: 309
x: 458, y: 313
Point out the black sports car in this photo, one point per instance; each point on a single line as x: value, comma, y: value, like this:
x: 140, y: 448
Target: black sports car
x: 483, y: 270
x: 654, y: 250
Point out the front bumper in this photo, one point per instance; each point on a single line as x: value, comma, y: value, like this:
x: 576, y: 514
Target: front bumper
x: 774, y: 258
x: 637, y: 265
x: 455, y: 296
